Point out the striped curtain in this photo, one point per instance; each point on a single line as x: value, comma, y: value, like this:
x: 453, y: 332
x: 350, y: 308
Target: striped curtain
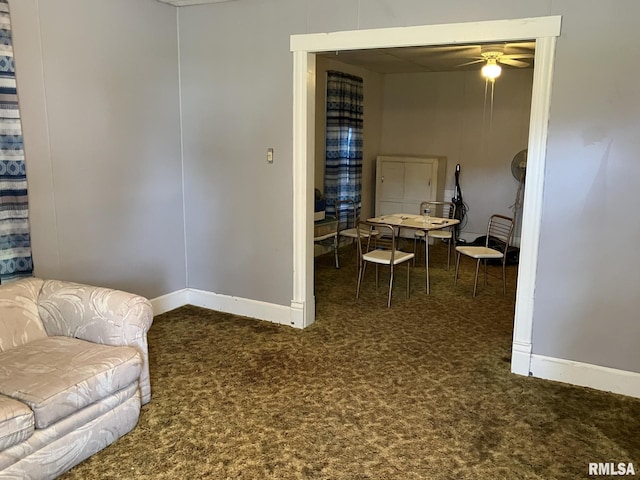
x: 343, y: 161
x: 15, y: 245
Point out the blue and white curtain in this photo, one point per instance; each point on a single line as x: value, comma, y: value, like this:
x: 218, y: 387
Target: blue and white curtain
x: 15, y: 245
x: 343, y: 162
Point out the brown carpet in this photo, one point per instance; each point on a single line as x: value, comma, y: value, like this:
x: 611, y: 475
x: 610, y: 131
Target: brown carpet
x: 418, y: 391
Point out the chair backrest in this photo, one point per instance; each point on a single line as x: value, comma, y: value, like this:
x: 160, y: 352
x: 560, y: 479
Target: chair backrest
x: 499, y: 232
x: 385, y: 240
x: 351, y: 209
x: 439, y: 209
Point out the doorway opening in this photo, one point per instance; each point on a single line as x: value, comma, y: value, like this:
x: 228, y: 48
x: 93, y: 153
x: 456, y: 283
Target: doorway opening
x: 304, y: 47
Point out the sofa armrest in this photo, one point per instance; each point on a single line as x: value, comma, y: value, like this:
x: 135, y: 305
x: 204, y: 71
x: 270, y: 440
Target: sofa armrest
x: 99, y: 315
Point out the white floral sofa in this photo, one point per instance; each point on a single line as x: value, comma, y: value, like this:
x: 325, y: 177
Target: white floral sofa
x: 73, y: 373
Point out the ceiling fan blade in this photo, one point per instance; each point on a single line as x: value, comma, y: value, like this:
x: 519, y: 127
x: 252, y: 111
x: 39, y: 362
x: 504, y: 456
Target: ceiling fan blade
x: 471, y: 63
x: 519, y: 55
x: 513, y: 63
x: 522, y: 47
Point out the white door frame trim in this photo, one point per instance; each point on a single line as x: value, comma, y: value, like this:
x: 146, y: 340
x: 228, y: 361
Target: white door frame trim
x: 543, y: 29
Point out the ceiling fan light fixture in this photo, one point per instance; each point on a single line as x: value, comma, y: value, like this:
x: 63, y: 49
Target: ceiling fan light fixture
x: 491, y: 70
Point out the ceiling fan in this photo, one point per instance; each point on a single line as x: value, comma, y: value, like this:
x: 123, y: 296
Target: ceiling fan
x: 492, y: 55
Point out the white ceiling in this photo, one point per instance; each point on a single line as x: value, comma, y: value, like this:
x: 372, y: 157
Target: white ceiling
x: 441, y: 58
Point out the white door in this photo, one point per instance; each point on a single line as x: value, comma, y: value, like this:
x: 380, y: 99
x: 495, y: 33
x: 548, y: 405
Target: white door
x: 418, y: 179
x: 391, y: 187
x: 402, y: 185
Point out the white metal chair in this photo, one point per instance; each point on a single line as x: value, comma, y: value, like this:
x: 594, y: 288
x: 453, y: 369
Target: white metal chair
x: 384, y: 254
x: 440, y: 210
x: 351, y: 230
x: 499, y: 230
x: 327, y: 230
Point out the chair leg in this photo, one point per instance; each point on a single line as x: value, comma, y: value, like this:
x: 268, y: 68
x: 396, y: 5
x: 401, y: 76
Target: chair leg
x: 448, y: 252
x: 390, y: 287
x: 408, y: 279
x: 485, y: 272
x: 426, y: 261
x: 361, y: 269
x: 475, y: 281
x: 335, y: 250
x: 455, y: 278
x: 504, y: 280
x: 415, y: 245
x: 453, y: 240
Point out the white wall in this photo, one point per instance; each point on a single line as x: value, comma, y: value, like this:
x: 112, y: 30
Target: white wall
x: 237, y: 83
x: 587, y: 300
x: 98, y: 82
x: 446, y: 114
x: 238, y: 101
x: 98, y: 89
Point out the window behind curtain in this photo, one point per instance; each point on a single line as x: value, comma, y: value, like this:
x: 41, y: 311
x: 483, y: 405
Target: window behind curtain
x: 15, y: 243
x: 343, y: 160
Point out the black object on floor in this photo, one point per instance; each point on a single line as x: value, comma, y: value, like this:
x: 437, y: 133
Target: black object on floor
x: 513, y: 253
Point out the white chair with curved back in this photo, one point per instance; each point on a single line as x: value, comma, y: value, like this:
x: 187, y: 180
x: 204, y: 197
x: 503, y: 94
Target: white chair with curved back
x: 440, y: 210
x: 499, y: 231
x: 350, y: 229
x: 327, y: 230
x: 385, y: 253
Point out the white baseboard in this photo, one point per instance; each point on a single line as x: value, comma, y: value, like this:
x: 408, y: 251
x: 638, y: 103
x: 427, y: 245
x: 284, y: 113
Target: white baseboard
x: 297, y: 319
x: 169, y: 301
x: 240, y: 306
x: 228, y: 304
x: 521, y: 358
x: 586, y: 375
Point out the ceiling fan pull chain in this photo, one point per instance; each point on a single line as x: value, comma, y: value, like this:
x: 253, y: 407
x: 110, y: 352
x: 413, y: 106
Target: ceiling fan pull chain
x: 484, y: 118
x: 493, y: 86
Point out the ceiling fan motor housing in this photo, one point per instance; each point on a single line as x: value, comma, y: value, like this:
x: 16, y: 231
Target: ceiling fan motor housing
x: 492, y: 51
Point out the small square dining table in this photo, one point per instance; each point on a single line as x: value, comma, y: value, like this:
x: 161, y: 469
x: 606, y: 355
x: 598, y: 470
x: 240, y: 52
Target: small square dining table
x: 416, y: 222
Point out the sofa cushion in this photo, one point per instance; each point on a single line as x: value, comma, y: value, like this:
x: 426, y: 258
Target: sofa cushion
x: 16, y: 422
x: 61, y: 432
x: 57, y: 376
x: 20, y: 321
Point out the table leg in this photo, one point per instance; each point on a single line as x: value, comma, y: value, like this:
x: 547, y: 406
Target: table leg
x: 426, y: 258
